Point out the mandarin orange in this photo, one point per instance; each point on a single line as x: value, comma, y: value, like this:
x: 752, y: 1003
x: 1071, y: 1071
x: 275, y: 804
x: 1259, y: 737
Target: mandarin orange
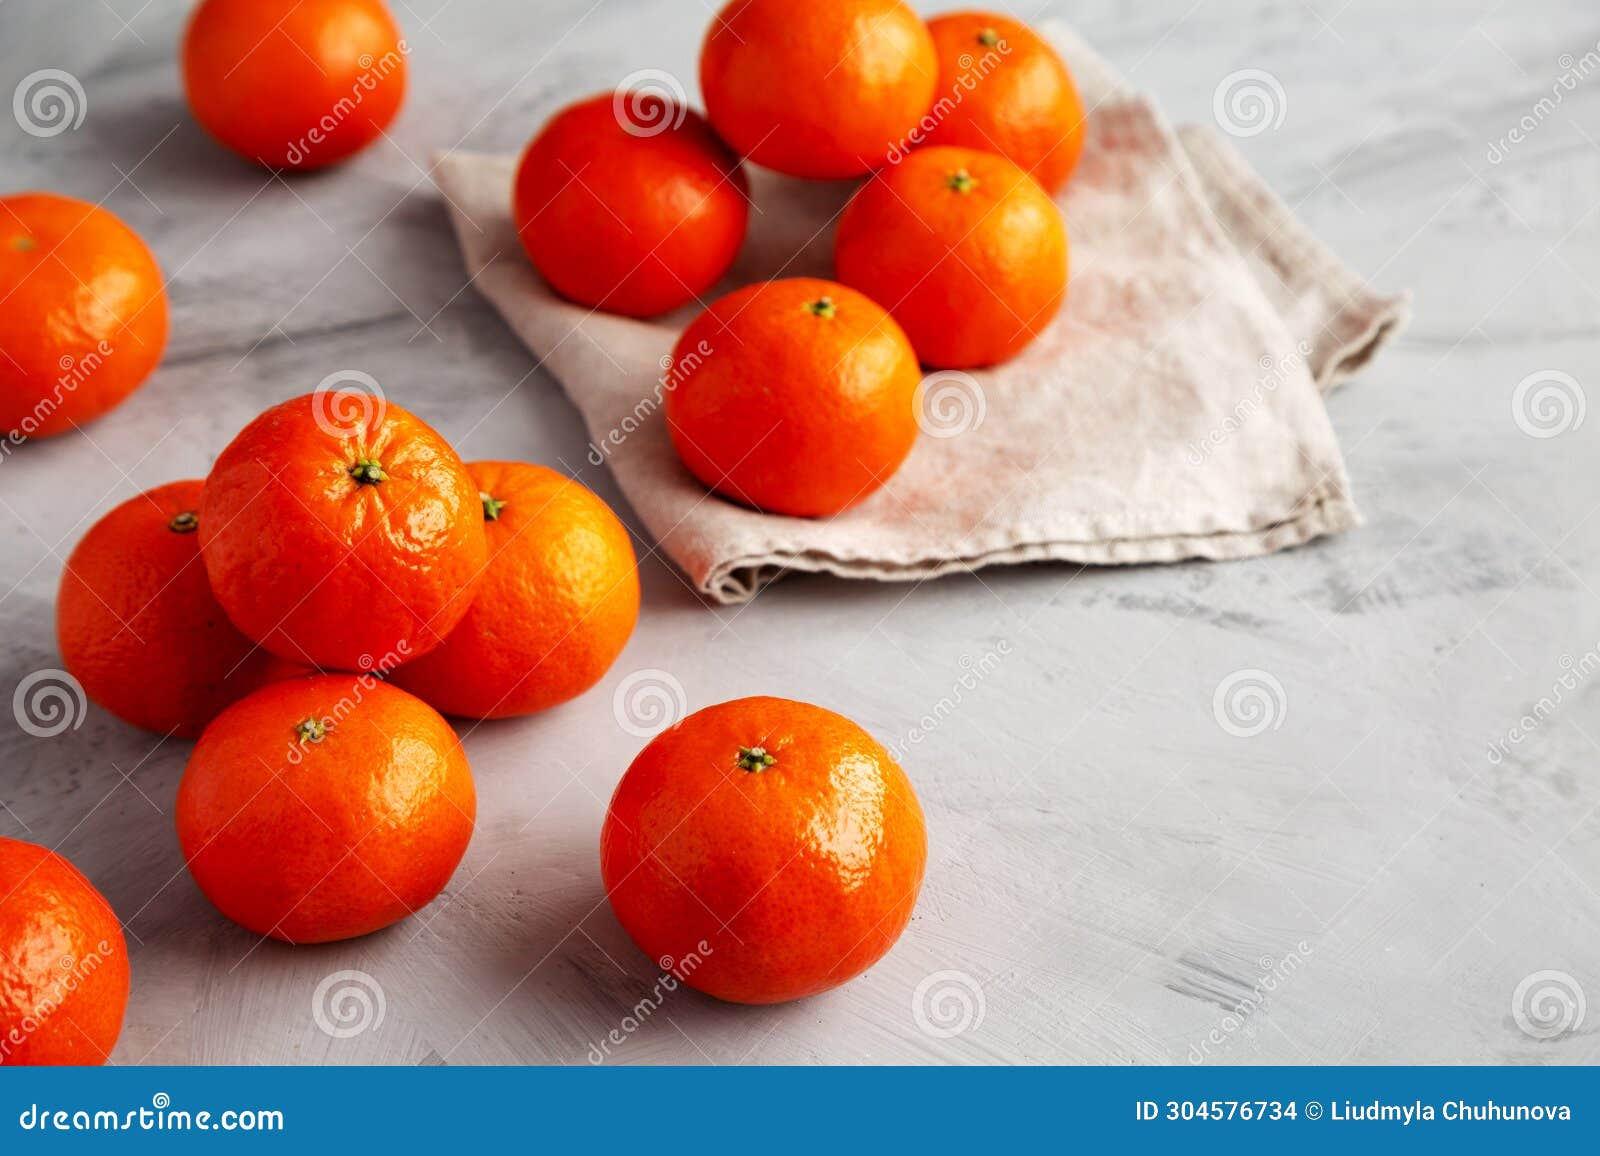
x: 766, y: 849
x: 963, y: 248
x: 793, y: 396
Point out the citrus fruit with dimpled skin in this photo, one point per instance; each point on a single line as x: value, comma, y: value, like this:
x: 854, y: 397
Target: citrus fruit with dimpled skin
x: 139, y: 627
x: 295, y: 84
x: 793, y: 396
x: 817, y: 90
x: 84, y: 315
x: 1017, y: 97
x: 965, y: 250
x: 63, y: 962
x: 342, y: 532
x: 558, y: 601
x: 769, y: 849
x: 324, y: 808
x: 628, y: 202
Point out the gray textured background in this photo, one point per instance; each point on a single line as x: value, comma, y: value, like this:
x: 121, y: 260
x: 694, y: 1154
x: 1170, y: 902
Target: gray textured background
x: 1112, y: 872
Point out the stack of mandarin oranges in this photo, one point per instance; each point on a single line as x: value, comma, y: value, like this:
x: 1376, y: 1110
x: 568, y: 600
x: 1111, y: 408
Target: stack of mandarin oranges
x: 310, y: 611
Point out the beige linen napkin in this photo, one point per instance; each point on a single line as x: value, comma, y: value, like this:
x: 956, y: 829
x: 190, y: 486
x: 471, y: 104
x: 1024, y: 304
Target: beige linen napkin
x: 1173, y: 410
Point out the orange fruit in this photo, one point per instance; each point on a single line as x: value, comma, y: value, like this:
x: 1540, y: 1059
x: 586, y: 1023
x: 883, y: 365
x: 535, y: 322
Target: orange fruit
x: 817, y: 90
x: 768, y: 849
x: 294, y: 84
x: 628, y: 202
x: 63, y: 962
x: 342, y: 532
x: 83, y: 314
x: 325, y: 807
x: 139, y: 627
x: 964, y: 249
x: 1009, y: 93
x: 793, y: 396
x: 557, y: 604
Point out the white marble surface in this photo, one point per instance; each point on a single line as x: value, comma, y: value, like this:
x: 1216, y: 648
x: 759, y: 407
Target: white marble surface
x: 1111, y: 870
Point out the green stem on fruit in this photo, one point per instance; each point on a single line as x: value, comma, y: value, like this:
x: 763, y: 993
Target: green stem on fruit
x: 185, y: 523
x: 961, y: 182
x: 988, y: 37
x: 368, y: 472
x: 22, y: 243
x: 311, y: 731
x: 822, y: 307
x: 754, y: 759
x: 491, y: 506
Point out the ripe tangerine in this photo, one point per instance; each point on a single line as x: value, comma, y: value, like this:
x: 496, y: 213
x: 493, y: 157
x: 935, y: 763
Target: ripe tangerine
x: 558, y: 601
x: 628, y: 202
x: 294, y: 84
x: 83, y: 313
x: 774, y: 843
x: 63, y: 962
x: 817, y: 90
x: 139, y: 627
x: 1016, y: 97
x: 963, y: 248
x: 324, y: 808
x: 342, y: 532
x: 803, y: 404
